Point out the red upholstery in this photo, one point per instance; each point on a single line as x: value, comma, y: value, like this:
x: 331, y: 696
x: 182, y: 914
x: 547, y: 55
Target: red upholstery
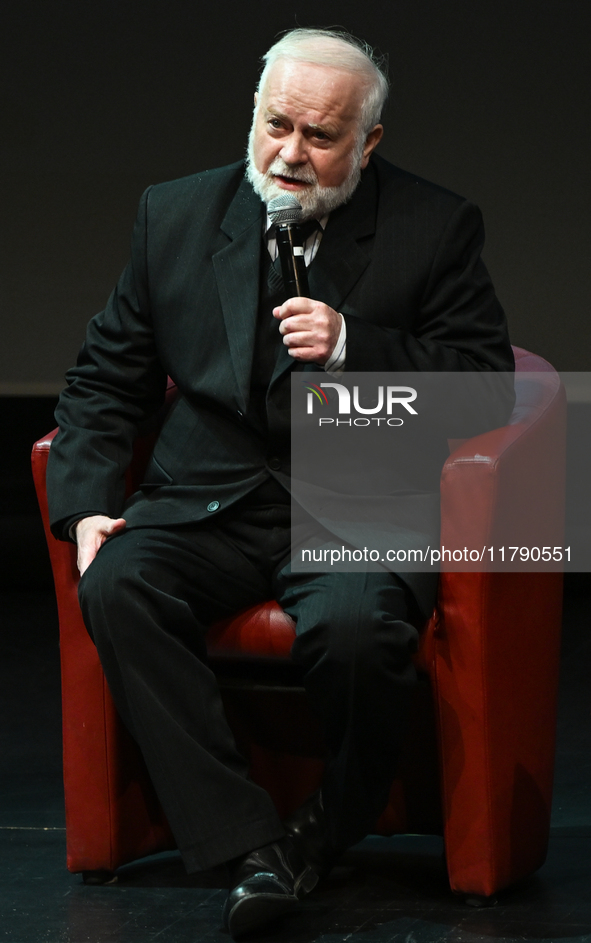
x: 478, y: 761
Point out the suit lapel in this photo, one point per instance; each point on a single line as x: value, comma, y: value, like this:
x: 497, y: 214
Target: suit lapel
x: 345, y: 250
x: 344, y: 253
x: 237, y: 269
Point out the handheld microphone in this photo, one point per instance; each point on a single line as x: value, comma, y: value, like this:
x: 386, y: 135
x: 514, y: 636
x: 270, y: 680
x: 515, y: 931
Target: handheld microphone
x: 286, y: 212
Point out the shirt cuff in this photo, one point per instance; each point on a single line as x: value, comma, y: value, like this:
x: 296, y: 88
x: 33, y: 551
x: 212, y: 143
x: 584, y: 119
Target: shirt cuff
x: 336, y: 362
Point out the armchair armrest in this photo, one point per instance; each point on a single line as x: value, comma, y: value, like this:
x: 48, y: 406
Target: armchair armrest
x: 496, y: 645
x: 511, y: 482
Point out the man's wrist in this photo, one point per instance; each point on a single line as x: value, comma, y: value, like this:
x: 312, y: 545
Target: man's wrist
x: 336, y: 362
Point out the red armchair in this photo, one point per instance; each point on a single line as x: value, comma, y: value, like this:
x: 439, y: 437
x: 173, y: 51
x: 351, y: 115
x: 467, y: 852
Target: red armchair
x: 478, y: 762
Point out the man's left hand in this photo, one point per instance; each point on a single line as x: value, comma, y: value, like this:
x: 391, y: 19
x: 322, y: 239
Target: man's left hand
x: 310, y: 329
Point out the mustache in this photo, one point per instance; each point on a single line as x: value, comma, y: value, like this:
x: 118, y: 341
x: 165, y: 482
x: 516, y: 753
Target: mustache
x: 278, y: 167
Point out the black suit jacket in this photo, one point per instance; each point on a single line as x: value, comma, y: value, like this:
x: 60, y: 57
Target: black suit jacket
x: 401, y: 261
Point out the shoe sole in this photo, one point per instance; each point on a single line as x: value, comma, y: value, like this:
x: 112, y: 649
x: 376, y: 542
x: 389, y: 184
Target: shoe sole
x: 253, y: 913
x: 306, y: 882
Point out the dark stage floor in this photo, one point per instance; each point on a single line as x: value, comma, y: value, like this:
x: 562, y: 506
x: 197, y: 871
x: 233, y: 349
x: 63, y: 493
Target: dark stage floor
x: 385, y: 889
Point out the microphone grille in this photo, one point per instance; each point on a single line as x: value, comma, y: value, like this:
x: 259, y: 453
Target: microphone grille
x: 285, y: 209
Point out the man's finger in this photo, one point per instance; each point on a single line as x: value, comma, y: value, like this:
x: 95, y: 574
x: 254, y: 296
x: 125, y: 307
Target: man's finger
x: 87, y: 551
x: 115, y: 526
x: 85, y: 557
x: 299, y: 323
x: 300, y: 339
x: 294, y: 306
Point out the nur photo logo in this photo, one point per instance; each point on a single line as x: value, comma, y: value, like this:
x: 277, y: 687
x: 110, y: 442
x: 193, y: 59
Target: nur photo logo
x: 385, y: 399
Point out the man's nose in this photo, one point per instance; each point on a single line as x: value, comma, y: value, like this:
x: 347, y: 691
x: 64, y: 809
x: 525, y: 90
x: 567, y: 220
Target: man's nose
x: 294, y: 150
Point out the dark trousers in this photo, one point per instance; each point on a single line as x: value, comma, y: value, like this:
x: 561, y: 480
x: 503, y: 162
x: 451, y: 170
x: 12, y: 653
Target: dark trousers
x: 147, y: 600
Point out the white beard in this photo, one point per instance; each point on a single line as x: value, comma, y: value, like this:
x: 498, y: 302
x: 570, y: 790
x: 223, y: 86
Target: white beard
x: 316, y: 201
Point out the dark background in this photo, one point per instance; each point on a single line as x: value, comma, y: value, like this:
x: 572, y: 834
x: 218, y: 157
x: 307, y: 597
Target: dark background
x: 103, y: 97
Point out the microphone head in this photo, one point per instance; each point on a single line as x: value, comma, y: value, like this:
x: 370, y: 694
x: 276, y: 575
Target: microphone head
x: 285, y: 209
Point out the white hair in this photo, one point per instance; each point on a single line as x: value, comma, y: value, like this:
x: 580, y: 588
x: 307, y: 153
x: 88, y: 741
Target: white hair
x: 340, y: 50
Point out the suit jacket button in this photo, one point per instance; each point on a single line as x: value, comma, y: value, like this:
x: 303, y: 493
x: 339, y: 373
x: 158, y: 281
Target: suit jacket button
x: 213, y: 505
x: 274, y: 463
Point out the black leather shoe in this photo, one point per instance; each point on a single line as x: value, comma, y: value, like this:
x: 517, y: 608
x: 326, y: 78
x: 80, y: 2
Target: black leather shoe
x: 264, y: 885
x: 307, y: 828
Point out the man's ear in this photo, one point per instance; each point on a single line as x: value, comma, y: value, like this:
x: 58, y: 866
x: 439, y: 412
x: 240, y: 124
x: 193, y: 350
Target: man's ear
x: 371, y: 142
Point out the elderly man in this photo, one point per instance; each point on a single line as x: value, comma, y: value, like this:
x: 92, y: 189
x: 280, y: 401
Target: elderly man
x: 396, y: 283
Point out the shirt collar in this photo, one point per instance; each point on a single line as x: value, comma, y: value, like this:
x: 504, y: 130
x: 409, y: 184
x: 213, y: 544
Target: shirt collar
x: 270, y: 225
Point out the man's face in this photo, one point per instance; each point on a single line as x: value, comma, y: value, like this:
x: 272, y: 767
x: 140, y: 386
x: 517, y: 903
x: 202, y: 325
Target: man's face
x: 305, y: 138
